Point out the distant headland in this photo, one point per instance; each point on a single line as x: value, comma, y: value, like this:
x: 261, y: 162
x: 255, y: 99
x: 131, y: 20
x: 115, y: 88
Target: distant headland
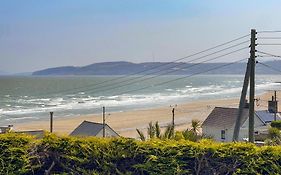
x: 152, y: 68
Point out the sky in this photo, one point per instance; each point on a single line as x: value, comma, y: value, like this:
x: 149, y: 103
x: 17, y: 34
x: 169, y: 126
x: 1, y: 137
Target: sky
x: 38, y: 34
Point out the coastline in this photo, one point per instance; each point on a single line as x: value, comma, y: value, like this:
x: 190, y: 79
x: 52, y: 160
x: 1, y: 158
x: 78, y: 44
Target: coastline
x: 126, y: 123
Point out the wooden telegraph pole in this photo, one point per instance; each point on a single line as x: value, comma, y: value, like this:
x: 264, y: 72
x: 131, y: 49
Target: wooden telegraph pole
x: 275, y: 104
x: 252, y: 86
x: 173, y: 115
x: 51, y: 121
x: 242, y: 103
x: 103, y: 121
x: 250, y: 74
x: 173, y: 120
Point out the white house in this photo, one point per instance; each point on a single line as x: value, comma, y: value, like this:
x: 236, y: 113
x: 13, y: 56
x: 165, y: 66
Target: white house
x: 221, y: 122
x: 5, y: 129
x: 87, y: 128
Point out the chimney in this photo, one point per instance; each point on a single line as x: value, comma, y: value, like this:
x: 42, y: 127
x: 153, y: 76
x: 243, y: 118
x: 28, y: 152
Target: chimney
x: 273, y: 105
x: 10, y: 127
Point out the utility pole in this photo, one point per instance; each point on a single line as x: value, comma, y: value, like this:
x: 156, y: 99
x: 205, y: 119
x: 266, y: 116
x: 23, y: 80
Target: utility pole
x: 103, y: 121
x: 275, y: 105
x: 252, y: 86
x: 242, y: 103
x: 173, y: 114
x: 173, y: 119
x: 51, y: 121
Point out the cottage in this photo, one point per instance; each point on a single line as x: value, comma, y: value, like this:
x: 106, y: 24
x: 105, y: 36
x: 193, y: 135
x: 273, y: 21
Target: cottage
x: 87, y: 128
x: 221, y: 122
x: 36, y: 133
x: 5, y: 129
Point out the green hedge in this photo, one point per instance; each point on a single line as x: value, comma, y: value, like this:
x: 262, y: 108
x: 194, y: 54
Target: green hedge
x: 24, y: 155
x: 276, y: 124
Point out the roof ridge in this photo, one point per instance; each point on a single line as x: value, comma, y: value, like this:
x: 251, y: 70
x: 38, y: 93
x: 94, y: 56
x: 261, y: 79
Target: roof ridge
x: 93, y: 122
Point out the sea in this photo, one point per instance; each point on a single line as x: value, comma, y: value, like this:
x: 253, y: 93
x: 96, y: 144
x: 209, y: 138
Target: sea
x: 30, y: 98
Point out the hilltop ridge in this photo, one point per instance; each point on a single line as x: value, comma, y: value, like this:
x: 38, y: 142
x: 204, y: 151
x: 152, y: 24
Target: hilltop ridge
x: 152, y: 68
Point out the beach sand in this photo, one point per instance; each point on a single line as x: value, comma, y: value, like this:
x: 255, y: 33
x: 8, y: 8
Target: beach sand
x: 125, y: 123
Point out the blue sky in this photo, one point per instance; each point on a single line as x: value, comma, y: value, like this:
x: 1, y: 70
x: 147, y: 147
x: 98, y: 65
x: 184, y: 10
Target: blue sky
x: 37, y: 34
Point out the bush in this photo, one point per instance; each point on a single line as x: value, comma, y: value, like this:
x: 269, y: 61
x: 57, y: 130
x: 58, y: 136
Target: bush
x: 276, y: 124
x: 15, y: 157
x: 70, y: 155
x: 274, y: 133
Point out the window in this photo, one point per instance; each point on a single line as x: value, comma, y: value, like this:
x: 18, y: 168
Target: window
x: 222, y: 134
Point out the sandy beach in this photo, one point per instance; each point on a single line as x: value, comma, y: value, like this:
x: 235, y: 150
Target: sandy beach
x: 125, y: 123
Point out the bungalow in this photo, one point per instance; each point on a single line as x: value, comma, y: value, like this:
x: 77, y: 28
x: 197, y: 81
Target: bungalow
x: 9, y: 128
x: 5, y: 129
x: 221, y: 122
x: 36, y: 133
x: 87, y: 128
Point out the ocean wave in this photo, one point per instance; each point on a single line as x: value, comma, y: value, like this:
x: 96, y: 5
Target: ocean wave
x: 20, y: 118
x: 82, y: 100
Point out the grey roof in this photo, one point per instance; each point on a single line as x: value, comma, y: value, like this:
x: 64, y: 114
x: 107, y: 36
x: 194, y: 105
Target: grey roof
x: 87, y: 128
x: 222, y: 117
x: 36, y: 133
x: 266, y: 116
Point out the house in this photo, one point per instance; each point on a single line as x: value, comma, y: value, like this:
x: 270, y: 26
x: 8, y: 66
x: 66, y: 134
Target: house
x: 87, y: 128
x: 9, y: 128
x: 5, y: 129
x: 37, y: 133
x: 221, y: 122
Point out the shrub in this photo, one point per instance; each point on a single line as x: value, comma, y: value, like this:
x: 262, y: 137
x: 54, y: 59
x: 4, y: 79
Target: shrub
x: 69, y: 155
x: 15, y: 157
x: 274, y: 133
x: 276, y: 124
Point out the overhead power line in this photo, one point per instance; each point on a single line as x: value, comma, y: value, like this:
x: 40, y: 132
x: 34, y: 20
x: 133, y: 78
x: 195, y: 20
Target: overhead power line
x: 177, y: 79
x: 144, y: 77
x: 270, y: 67
x: 176, y: 60
x: 82, y: 88
x: 269, y: 54
x: 152, y: 77
x: 270, y: 31
x: 269, y: 38
x: 269, y: 44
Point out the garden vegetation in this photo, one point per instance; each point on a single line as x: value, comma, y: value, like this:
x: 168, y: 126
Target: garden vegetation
x: 22, y: 154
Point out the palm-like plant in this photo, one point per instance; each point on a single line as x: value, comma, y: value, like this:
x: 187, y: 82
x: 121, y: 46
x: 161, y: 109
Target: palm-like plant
x: 151, y: 130
x: 169, y: 132
x: 195, y: 125
x: 154, y: 131
x: 157, y: 130
x: 141, y: 135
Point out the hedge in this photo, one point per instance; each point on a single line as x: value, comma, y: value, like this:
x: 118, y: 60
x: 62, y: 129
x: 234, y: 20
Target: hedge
x: 276, y: 124
x: 21, y: 154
